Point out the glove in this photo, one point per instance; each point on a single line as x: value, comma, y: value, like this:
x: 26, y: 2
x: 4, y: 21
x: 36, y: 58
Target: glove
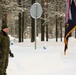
x: 11, y: 54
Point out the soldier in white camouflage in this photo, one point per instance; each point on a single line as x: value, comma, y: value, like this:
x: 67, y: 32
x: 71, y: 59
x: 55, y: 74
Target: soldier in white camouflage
x: 4, y: 49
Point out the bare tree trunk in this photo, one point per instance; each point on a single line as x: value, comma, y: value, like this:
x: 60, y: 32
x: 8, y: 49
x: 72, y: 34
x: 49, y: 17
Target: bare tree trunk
x: 46, y: 17
x: 56, y: 25
x: 4, y: 19
x: 42, y: 22
x: 19, y: 27
x: 32, y: 27
x: 22, y: 26
x: 61, y: 31
x: 44, y: 27
x: 20, y: 31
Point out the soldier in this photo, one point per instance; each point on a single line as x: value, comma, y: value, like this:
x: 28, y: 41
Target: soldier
x: 4, y: 49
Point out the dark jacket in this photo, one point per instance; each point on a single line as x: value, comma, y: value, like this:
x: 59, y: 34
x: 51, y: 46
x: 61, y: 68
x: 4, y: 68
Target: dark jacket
x: 4, y: 44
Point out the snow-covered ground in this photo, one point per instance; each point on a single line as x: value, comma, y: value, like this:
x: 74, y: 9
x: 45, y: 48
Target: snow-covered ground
x: 47, y: 59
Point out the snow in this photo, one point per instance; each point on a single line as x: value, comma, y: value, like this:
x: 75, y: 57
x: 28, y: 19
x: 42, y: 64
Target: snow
x: 42, y: 61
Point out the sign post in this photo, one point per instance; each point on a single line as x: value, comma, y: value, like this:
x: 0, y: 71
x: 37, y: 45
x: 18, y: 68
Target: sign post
x: 36, y: 12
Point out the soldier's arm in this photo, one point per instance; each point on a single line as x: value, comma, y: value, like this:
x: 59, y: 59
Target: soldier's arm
x: 10, y: 53
x: 0, y: 49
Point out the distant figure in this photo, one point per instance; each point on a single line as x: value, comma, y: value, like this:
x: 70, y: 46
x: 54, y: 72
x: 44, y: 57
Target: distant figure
x: 4, y: 49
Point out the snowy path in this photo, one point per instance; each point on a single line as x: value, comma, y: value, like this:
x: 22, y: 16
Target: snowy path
x: 50, y: 61
x: 41, y: 63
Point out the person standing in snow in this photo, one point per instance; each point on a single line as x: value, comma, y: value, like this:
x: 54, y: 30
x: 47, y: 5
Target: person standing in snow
x: 4, y: 49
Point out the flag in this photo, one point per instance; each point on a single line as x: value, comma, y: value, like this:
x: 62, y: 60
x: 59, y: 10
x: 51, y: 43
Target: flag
x: 70, y: 21
x: 68, y: 12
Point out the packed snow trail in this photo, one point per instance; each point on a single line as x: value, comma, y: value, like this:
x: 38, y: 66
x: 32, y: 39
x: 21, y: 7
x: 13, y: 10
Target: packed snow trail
x: 51, y: 61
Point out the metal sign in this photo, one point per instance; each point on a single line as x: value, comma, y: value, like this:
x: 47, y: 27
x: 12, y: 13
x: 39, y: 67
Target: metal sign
x: 36, y: 10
